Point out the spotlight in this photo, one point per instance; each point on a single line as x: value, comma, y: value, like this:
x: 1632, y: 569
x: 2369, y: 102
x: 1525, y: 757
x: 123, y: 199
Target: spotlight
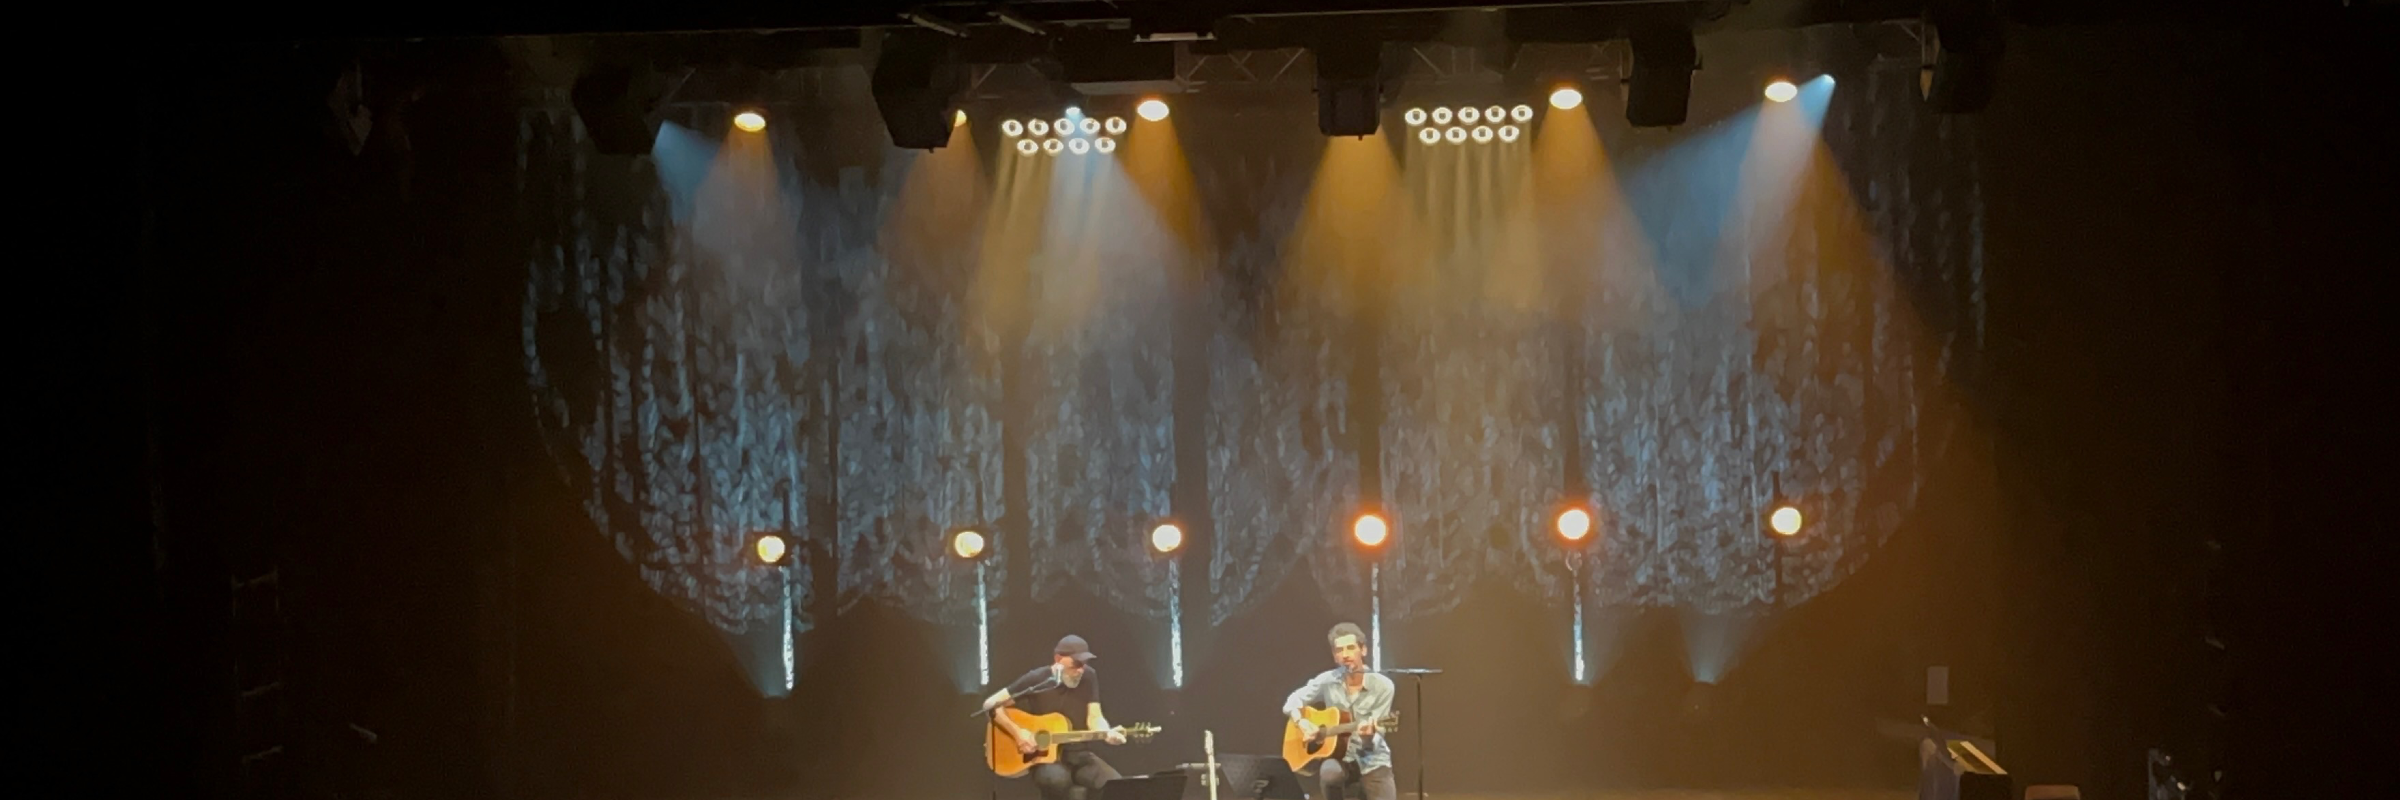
x: 1562, y: 98
x: 1052, y: 146
x: 1074, y: 111
x: 616, y: 103
x: 1166, y: 539
x: 1508, y: 133
x: 1038, y: 128
x: 1064, y: 126
x: 750, y: 121
x: 1786, y: 521
x: 1415, y: 117
x: 1429, y: 135
x: 1010, y: 127
x: 1659, y: 90
x: 1469, y: 115
x: 1483, y: 134
x: 1079, y: 146
x: 968, y: 544
x: 1105, y: 144
x: 1152, y: 109
x: 1350, y: 85
x: 1441, y: 116
x: 1495, y: 114
x: 1455, y: 134
x: 1781, y: 91
x: 1574, y: 524
x: 1027, y: 147
x: 1115, y: 126
x: 917, y: 77
x: 1370, y: 530
x: 1524, y: 113
x: 1960, y: 69
x: 1090, y: 126
x: 772, y: 549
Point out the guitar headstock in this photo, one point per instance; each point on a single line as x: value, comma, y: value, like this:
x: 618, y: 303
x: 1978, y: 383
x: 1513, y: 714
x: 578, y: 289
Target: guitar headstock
x: 1140, y: 731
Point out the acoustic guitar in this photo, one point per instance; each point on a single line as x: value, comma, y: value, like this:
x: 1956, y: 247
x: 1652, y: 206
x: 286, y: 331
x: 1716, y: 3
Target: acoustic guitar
x: 1049, y: 731
x: 1334, y: 728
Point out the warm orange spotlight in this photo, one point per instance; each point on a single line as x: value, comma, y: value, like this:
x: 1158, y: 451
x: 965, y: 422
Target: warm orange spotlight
x: 1166, y: 538
x: 1782, y: 91
x: 771, y: 549
x: 958, y: 119
x: 1574, y: 524
x: 1786, y: 521
x: 1370, y: 530
x: 750, y: 121
x: 1152, y: 109
x: 1566, y: 97
x: 967, y: 545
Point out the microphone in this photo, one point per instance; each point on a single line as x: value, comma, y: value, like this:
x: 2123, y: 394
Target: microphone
x: 1412, y: 671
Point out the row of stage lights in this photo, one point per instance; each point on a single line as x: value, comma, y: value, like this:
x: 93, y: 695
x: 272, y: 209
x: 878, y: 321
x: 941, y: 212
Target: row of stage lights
x: 1574, y: 526
x: 1435, y: 125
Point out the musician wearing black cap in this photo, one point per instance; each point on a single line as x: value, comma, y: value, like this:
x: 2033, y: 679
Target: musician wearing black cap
x: 1068, y: 685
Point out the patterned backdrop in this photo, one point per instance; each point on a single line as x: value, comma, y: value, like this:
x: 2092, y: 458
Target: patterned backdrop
x: 1721, y: 350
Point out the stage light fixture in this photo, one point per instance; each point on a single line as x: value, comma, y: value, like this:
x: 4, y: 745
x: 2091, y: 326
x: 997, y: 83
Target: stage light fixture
x: 1028, y: 147
x: 1786, y: 521
x: 750, y: 121
x: 1658, y: 93
x: 1441, y: 116
x: 1455, y: 134
x: 916, y: 81
x: 1105, y: 144
x: 1429, y: 135
x: 617, y: 105
x: 1522, y: 114
x: 1483, y: 134
x: 1415, y: 116
x: 1090, y: 126
x: 1574, y: 524
x: 1563, y: 98
x: 1064, y: 126
x: 1113, y: 126
x: 1370, y: 530
x: 1495, y: 114
x: 969, y: 544
x: 1074, y: 111
x: 1052, y: 146
x: 1469, y: 116
x: 1351, y: 77
x: 1038, y: 128
x: 1079, y: 146
x: 1166, y: 538
x: 1781, y: 91
x: 1509, y: 133
x: 1010, y: 127
x: 771, y: 549
x: 959, y: 119
x: 1961, y: 52
x: 1152, y: 109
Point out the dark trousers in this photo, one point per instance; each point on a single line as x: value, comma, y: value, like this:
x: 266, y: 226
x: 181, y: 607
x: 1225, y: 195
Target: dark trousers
x: 1333, y: 775
x: 1076, y: 775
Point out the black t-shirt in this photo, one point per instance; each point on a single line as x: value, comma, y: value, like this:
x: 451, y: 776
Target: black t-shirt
x: 1039, y: 692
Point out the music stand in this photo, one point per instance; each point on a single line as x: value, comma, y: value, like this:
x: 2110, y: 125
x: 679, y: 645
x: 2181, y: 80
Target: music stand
x: 1252, y: 778
x: 1419, y: 723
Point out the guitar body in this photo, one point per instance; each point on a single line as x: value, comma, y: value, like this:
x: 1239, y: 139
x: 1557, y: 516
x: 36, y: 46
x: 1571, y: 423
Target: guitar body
x: 1000, y: 749
x: 1049, y: 731
x: 1334, y: 727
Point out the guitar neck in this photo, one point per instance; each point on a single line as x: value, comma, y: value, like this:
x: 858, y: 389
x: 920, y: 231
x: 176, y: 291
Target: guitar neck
x: 1065, y: 737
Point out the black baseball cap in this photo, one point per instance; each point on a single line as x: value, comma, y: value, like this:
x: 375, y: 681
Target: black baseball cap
x: 1074, y: 646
